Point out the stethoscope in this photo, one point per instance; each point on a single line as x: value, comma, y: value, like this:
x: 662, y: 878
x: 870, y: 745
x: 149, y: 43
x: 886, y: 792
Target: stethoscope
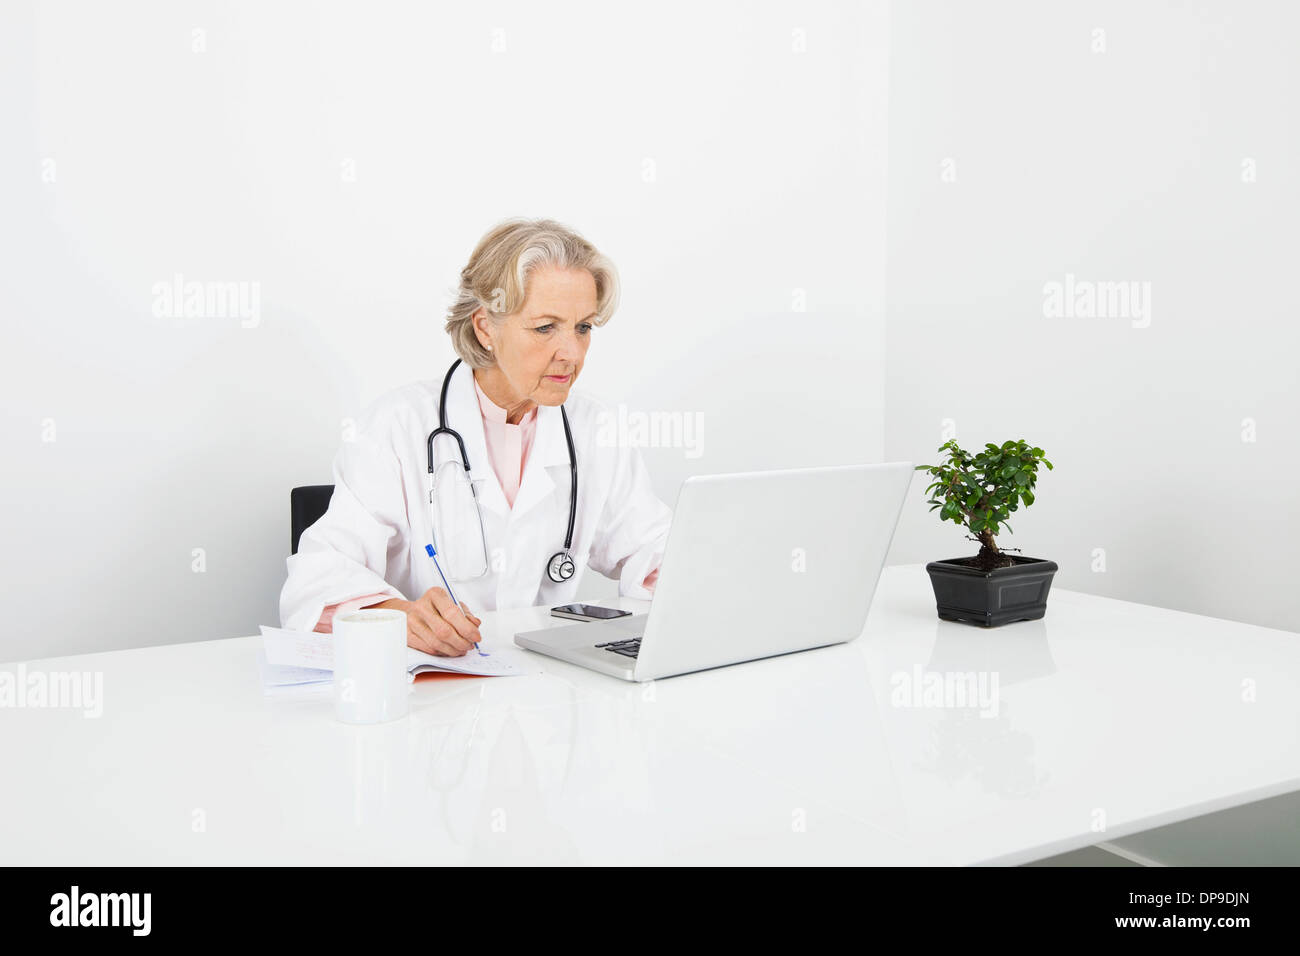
x: 561, y: 567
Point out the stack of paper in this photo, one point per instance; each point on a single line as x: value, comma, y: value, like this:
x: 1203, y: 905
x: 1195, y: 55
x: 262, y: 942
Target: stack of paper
x: 292, y: 663
x: 303, y: 661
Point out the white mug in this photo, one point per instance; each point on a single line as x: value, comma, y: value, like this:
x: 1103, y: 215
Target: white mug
x: 371, y: 684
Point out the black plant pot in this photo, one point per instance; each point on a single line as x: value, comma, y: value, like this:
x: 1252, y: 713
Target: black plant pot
x: 991, y: 598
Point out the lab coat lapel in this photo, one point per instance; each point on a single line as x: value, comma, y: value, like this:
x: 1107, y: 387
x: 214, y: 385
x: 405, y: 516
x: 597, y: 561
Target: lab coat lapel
x: 550, y: 450
x: 464, y: 415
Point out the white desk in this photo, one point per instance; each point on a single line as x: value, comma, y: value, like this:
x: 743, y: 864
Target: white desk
x: 1103, y: 707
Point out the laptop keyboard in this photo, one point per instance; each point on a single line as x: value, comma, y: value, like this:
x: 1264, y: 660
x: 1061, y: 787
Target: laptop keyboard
x: 628, y: 648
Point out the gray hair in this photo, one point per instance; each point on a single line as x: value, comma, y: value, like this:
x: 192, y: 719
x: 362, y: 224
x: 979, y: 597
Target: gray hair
x: 496, y: 278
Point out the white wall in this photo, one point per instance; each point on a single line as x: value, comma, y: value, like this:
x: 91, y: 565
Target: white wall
x: 343, y: 159
x: 1125, y: 164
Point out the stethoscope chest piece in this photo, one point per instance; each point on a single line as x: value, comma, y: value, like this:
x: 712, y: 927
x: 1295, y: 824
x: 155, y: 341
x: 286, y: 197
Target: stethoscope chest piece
x: 561, y: 567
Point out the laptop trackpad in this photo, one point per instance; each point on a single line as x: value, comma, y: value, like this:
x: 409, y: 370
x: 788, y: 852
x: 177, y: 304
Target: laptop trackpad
x: 602, y: 632
x: 634, y: 624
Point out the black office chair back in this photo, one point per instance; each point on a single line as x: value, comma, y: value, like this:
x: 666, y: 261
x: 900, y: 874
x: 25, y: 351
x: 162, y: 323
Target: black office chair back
x: 306, y: 505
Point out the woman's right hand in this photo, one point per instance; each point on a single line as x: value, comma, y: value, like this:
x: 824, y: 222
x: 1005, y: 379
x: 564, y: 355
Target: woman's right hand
x: 435, y: 625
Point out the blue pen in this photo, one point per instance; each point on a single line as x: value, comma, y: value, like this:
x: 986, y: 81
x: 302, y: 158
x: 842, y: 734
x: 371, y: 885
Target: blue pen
x: 452, y: 594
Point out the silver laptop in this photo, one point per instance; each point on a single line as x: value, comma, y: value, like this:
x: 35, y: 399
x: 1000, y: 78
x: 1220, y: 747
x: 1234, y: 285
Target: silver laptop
x: 757, y: 564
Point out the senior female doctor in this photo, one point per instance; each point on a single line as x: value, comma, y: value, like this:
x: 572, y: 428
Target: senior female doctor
x: 488, y: 477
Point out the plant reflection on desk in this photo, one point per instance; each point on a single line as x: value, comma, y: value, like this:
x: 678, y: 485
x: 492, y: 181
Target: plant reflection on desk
x: 972, y: 729
x: 964, y: 743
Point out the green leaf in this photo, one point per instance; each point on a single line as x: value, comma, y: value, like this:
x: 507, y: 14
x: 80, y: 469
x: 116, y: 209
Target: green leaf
x: 1022, y: 477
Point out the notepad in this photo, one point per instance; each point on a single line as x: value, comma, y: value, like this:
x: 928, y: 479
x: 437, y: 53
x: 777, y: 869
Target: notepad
x: 295, y: 658
x: 290, y: 681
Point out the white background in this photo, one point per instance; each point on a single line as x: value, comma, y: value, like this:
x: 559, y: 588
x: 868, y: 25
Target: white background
x: 1120, y: 165
x: 779, y: 176
x: 173, y: 435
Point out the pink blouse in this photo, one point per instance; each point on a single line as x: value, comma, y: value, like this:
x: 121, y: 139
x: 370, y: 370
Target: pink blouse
x: 508, y: 447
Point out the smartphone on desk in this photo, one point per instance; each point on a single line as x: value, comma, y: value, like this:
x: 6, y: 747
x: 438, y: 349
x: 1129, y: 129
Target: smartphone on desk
x: 588, y: 612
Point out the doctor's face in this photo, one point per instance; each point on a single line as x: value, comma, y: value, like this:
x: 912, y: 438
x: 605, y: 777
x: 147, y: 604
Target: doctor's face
x: 540, y: 349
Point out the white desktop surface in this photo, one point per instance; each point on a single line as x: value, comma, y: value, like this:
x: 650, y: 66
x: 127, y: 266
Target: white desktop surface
x: 1112, y: 718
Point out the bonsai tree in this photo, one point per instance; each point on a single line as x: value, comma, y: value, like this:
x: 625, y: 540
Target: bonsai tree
x: 980, y: 493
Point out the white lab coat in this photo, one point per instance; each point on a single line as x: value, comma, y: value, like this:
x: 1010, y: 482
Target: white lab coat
x: 372, y: 539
